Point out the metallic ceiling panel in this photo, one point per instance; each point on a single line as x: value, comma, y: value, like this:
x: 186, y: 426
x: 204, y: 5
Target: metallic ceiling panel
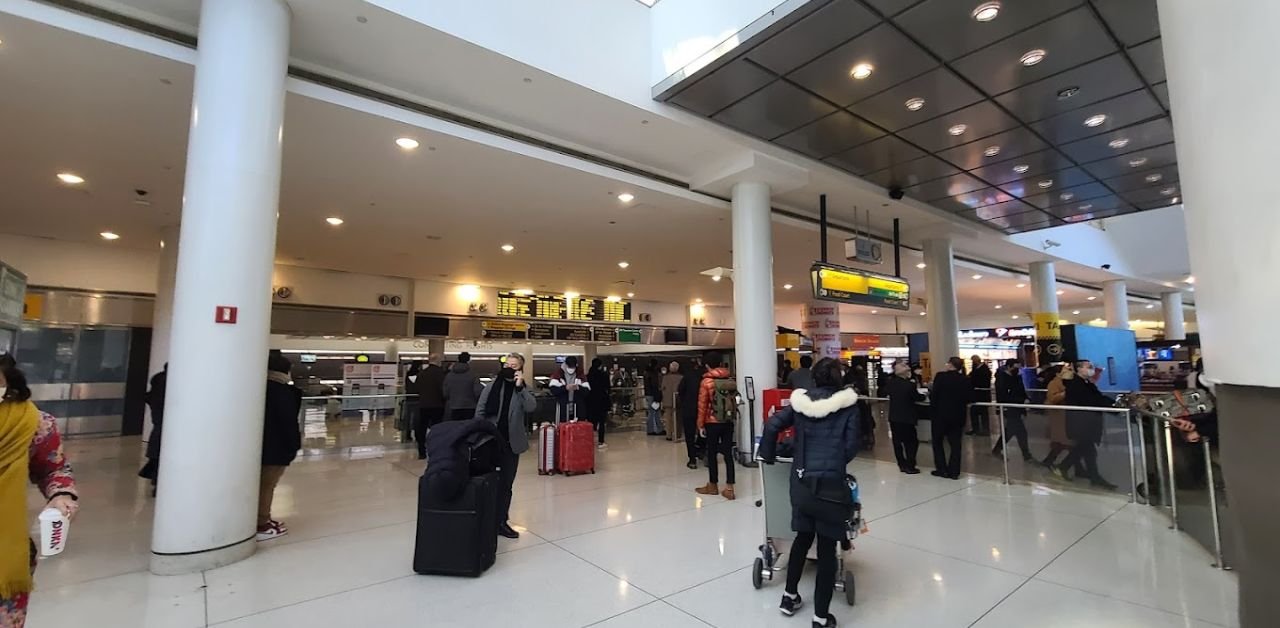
x: 1131, y: 108
x: 982, y: 120
x: 1149, y: 58
x: 1162, y: 94
x: 1139, y: 136
x: 942, y: 188
x: 1138, y: 180
x: 1133, y: 21
x: 891, y: 7
x: 1068, y: 40
x: 1013, y: 143
x: 941, y: 90
x: 876, y: 155
x: 1156, y: 195
x: 973, y: 200
x: 774, y: 110
x: 893, y: 56
x: 1105, y: 78
x: 1102, y: 203
x: 1053, y: 182
x: 1000, y: 210
x: 912, y: 172
x: 1037, y: 163
x: 1138, y: 161
x: 1068, y: 195
x: 831, y: 135
x: 1024, y: 221
x: 1095, y: 215
x: 816, y: 33
x: 947, y: 26
x: 722, y: 88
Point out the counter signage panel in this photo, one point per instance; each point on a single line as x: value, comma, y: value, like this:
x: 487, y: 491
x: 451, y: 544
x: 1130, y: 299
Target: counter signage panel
x: 605, y: 334
x: 505, y: 330
x: 629, y: 336
x: 542, y: 331
x: 573, y: 333
x: 858, y: 287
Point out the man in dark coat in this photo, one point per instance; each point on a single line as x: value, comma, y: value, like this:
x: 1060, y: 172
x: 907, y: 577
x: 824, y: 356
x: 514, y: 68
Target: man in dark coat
x: 281, y: 439
x: 461, y: 389
x: 1010, y: 389
x: 1085, y: 428
x: 952, y: 392
x: 155, y: 403
x: 598, y: 398
x: 429, y: 387
x: 687, y: 406
x: 980, y: 381
x: 903, y: 395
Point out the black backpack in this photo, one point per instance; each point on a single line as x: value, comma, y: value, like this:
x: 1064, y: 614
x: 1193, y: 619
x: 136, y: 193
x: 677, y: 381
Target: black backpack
x: 483, y: 453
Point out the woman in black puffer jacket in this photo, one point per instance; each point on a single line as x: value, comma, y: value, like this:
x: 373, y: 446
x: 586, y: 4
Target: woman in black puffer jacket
x: 826, y: 426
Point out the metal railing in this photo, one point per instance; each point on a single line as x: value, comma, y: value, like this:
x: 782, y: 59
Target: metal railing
x: 1184, y: 518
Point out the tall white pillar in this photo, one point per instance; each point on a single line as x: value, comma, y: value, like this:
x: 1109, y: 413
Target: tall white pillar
x: 1115, y: 302
x: 589, y: 353
x: 1226, y: 163
x: 940, y: 292
x: 392, y: 353
x: 161, y: 313
x: 211, y: 457
x: 755, y: 334
x: 1175, y: 327
x: 1044, y: 311
x: 822, y: 324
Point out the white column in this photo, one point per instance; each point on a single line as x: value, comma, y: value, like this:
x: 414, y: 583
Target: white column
x: 1115, y: 301
x: 822, y: 324
x: 1044, y: 311
x: 392, y: 354
x: 207, y: 504
x: 754, y: 332
x: 940, y: 292
x: 589, y: 353
x: 161, y: 313
x: 1175, y: 327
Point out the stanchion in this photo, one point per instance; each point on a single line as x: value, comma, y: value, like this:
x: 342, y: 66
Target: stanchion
x: 1173, y: 479
x: 1142, y: 452
x: 1133, y: 471
x: 1004, y: 445
x: 1160, y: 461
x: 1213, y: 505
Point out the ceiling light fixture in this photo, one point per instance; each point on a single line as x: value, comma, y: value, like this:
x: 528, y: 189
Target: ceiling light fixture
x: 613, y: 298
x: 862, y: 70
x: 1061, y: 292
x: 1086, y: 207
x: 1075, y: 312
x: 1015, y: 317
x: 1154, y: 177
x: 631, y: 295
x: 977, y: 277
x: 958, y: 129
x: 1095, y: 120
x: 875, y: 311
x: 70, y: 178
x: 1134, y: 163
x: 407, y: 143
x: 624, y: 265
x: 991, y: 151
x: 1066, y: 196
x: 787, y: 286
x: 986, y: 11
x: 921, y: 265
x: 1118, y: 144
x: 1191, y: 279
x: 626, y: 197
x: 1168, y: 191
x: 109, y: 235
x: 1021, y: 168
x: 334, y: 220
x: 1151, y: 306
x: 1092, y: 299
x: 1175, y: 200
x: 923, y: 313
x: 1033, y: 57
x: 1068, y: 92
x: 1046, y: 184
x: 716, y: 278
x: 915, y: 104
x: 999, y: 307
x: 507, y: 248
x: 571, y: 295
x: 1022, y: 285
x: 697, y: 300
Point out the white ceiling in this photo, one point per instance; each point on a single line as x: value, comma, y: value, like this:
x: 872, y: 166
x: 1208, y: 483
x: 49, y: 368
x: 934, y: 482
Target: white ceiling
x: 119, y: 118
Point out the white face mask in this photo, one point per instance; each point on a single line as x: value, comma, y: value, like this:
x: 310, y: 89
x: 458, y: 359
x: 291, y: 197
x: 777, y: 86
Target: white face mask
x: 1086, y: 372
x: 4, y: 390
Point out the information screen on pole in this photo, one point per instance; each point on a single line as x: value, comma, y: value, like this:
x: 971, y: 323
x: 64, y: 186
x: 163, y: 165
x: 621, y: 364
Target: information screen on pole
x: 858, y: 287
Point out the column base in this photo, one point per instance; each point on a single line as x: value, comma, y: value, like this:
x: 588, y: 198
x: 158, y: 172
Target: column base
x: 179, y: 564
x: 1249, y: 432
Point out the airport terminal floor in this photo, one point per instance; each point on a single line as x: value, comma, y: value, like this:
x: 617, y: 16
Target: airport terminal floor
x: 633, y: 545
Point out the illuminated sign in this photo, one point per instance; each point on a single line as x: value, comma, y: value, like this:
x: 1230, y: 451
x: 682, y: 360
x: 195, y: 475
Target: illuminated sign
x: 560, y: 307
x: 857, y: 287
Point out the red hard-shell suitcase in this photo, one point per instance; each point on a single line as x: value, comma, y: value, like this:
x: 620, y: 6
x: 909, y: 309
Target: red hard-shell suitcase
x: 576, y: 448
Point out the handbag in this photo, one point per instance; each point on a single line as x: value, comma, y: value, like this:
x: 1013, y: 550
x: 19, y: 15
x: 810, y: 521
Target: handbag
x: 826, y: 499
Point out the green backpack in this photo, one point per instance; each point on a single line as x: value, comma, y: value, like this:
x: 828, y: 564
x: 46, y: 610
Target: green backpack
x: 724, y: 403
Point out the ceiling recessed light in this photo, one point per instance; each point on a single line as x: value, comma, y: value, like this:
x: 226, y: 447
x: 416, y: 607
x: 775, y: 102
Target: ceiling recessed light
x: 334, y: 220
x: 108, y: 235
x: 1154, y: 177
x: 921, y: 265
x: 958, y: 129
x: 631, y: 295
x: 999, y: 307
x: 991, y: 151
x: 1061, y: 292
x: 1191, y: 279
x: 1092, y: 299
x: 626, y: 197
x: 697, y: 300
x: 915, y: 104
x: 1134, y: 163
x: 1086, y: 207
x: 508, y: 248
x: 1075, y: 312
x: 1095, y: 120
x: 875, y: 311
x: 1046, y: 184
x: 1151, y: 306
x: 1168, y: 191
x: 1022, y: 285
x: 986, y: 11
x: 613, y: 298
x: 571, y: 295
x: 1033, y: 57
x: 862, y: 70
x: 407, y: 143
x: 1066, y: 196
x: 1175, y: 200
x: 1118, y: 144
x: 1068, y: 92
x: 70, y: 179
x: 922, y: 313
x: 624, y: 265
x: 786, y: 286
x: 715, y: 278
x: 1015, y: 317
x: 977, y: 276
x: 1021, y: 168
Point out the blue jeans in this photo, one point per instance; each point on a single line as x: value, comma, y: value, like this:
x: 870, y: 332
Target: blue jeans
x: 654, y: 425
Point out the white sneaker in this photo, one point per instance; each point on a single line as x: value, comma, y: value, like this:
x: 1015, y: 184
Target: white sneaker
x: 274, y: 530
x: 602, y: 447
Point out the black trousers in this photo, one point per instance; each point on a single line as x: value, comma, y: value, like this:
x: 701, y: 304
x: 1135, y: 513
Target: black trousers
x: 1083, y: 451
x: 427, y: 417
x: 944, y: 435
x: 905, y: 444
x: 979, y: 420
x: 720, y: 441
x: 507, y: 474
x: 462, y: 414
x: 690, y: 421
x: 825, y: 584
x: 1014, y: 427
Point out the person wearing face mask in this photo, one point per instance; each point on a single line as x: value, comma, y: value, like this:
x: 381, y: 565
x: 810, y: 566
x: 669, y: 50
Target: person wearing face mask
x: 1085, y: 428
x: 505, y: 402
x: 570, y: 388
x: 903, y: 395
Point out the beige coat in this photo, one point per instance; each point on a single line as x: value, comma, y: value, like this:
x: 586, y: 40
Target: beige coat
x: 1056, y: 396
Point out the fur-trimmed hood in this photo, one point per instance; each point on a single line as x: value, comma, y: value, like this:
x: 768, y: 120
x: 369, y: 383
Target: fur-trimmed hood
x: 820, y: 403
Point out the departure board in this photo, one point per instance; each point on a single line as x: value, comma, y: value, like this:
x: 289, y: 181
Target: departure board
x: 559, y: 307
x: 549, y: 307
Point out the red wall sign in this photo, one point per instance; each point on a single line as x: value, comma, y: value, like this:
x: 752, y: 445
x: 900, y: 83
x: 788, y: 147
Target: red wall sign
x: 225, y: 314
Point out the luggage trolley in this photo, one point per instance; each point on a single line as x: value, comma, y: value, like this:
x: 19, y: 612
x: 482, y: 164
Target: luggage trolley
x: 778, y: 535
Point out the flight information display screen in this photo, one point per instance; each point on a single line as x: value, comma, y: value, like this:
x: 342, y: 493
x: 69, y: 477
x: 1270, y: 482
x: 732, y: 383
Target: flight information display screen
x: 857, y: 287
x: 559, y: 307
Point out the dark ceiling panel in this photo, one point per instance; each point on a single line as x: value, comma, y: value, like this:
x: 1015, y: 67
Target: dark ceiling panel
x: 1155, y: 157
x: 833, y: 134
x: 942, y: 188
x: 1156, y: 195
x: 980, y: 120
x: 1133, y: 21
x: 1149, y: 58
x: 1068, y: 40
x: 722, y: 88
x: 774, y: 110
x: 941, y: 90
x: 1136, y: 106
x: 1069, y: 195
x: 1036, y: 164
x: 1095, y: 215
x: 1025, y: 221
x: 813, y: 35
x: 912, y: 172
x: 1093, y: 82
x: 1162, y: 94
x: 1012, y: 143
x: 1000, y: 210
x: 1049, y: 182
x: 1138, y: 136
x: 890, y: 7
x: 1138, y: 180
x: 893, y: 56
x: 1094, y: 205
x: 874, y: 156
x: 973, y: 200
x: 947, y: 26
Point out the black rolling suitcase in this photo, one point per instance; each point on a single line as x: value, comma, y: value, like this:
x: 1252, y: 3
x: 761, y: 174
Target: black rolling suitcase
x: 458, y: 538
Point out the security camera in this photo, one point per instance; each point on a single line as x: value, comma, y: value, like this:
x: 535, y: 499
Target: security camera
x: 1106, y: 267
x: 140, y: 192
x: 896, y: 193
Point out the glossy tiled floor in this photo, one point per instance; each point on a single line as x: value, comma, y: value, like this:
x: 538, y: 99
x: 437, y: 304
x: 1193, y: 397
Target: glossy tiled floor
x: 634, y: 546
